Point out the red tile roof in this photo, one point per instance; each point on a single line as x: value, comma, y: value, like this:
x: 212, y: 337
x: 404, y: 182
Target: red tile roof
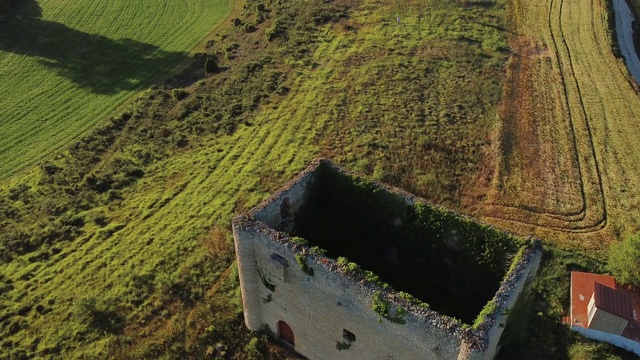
x: 613, y: 301
x: 583, y: 286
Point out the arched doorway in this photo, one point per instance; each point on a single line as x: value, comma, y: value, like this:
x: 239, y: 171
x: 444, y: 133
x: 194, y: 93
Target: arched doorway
x: 285, y: 333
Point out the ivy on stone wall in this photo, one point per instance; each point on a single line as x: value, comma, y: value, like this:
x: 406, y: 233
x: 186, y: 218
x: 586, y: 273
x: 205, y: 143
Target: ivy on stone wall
x: 342, y: 345
x: 301, y: 259
x: 412, y: 300
x: 486, y: 311
x: 383, y: 308
x: 266, y: 281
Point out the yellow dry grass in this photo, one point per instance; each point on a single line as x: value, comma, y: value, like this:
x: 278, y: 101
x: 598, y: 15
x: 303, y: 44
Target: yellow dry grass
x: 567, y: 155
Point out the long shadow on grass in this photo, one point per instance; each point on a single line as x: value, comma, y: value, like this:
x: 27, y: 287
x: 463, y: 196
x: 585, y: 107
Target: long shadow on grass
x: 94, y: 62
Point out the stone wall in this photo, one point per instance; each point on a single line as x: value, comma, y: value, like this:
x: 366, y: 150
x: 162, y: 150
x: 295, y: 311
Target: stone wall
x: 516, y: 282
x: 319, y: 308
x: 324, y: 307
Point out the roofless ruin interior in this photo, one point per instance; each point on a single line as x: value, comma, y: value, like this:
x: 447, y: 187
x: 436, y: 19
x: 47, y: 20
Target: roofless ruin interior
x: 452, y: 263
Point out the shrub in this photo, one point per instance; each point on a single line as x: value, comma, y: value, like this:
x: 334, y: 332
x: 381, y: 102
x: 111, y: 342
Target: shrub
x: 300, y: 241
x: 275, y: 31
x: 249, y: 28
x: 99, y: 218
x: 318, y: 250
x: 211, y: 65
x: 624, y: 260
x: 179, y: 94
x: 301, y: 259
x: 382, y: 307
x: 255, y: 348
x: 379, y: 305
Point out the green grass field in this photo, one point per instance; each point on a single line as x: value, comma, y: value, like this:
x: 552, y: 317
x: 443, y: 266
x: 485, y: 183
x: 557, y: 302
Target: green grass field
x: 119, y: 245
x: 66, y: 65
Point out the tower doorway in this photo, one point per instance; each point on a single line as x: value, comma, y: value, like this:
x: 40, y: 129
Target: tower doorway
x: 285, y: 333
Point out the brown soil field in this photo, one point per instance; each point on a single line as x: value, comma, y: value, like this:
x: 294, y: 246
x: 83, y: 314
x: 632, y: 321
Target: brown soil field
x: 565, y: 163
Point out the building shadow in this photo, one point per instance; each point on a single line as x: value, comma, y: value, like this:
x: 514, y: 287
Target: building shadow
x: 95, y: 62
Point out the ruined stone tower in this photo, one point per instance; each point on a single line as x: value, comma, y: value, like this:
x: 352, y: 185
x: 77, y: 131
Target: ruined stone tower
x: 430, y: 267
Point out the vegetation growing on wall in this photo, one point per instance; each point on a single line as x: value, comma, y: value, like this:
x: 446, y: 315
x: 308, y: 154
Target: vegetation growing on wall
x: 383, y: 308
x: 266, y: 280
x: 419, y: 249
x: 486, y: 311
x: 490, y: 308
x: 301, y: 259
x: 342, y: 345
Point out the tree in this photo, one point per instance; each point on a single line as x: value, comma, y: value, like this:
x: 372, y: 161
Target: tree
x: 624, y: 260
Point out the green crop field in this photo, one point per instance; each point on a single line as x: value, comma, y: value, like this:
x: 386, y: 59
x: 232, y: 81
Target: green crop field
x: 65, y: 65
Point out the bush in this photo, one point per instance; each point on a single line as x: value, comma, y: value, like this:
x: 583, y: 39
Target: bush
x: 99, y: 218
x: 275, y: 31
x: 255, y: 348
x: 624, y: 260
x: 211, y: 65
x: 179, y: 94
x: 249, y: 28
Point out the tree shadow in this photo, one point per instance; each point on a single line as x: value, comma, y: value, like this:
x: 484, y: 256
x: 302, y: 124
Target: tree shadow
x: 95, y: 62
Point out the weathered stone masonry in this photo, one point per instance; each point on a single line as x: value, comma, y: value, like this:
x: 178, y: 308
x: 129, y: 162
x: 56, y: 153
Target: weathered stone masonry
x: 330, y: 313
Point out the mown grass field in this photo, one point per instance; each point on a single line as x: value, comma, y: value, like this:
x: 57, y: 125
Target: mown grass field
x: 118, y: 246
x: 567, y: 162
x: 66, y: 65
x: 105, y: 246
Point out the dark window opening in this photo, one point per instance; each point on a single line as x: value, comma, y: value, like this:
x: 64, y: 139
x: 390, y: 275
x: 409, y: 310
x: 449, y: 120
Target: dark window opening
x: 348, y: 335
x: 279, y: 259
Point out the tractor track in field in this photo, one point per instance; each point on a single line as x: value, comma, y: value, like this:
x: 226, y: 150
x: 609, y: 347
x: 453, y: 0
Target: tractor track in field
x: 592, y: 215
